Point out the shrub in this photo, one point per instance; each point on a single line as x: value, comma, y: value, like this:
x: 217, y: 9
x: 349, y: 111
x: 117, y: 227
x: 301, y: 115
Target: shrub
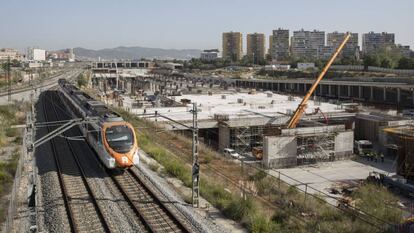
x: 154, y: 166
x: 258, y: 176
x: 240, y: 208
x: 261, y: 224
x: 11, y: 132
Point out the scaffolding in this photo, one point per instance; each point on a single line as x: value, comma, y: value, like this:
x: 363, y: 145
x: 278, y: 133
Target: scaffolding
x: 244, y: 138
x: 316, y: 148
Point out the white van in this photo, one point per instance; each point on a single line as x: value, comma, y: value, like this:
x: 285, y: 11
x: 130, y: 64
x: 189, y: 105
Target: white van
x: 230, y: 153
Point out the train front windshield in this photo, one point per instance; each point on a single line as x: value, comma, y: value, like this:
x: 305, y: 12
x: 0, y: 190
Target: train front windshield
x: 120, y: 138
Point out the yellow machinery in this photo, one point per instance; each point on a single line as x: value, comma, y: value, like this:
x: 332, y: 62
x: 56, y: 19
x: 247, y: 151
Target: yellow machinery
x: 301, y: 107
x: 258, y: 152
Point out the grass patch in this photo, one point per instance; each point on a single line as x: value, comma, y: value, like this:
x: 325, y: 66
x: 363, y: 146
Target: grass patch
x: 7, y: 172
x: 9, y: 115
x: 380, y: 206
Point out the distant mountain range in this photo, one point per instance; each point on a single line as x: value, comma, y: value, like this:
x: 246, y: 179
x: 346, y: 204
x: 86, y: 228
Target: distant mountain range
x: 135, y: 53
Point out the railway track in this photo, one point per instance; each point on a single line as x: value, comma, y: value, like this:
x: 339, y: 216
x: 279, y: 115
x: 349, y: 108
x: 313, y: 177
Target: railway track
x: 84, y: 213
x: 151, y: 208
x: 153, y: 211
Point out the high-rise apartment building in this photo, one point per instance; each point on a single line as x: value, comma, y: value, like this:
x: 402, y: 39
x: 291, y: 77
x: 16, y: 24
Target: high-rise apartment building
x: 305, y: 44
x: 375, y: 42
x: 279, y: 48
x: 256, y: 47
x: 403, y: 50
x: 232, y: 46
x: 269, y: 49
x: 351, y: 48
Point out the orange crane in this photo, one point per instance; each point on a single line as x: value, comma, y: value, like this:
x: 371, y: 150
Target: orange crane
x: 301, y: 107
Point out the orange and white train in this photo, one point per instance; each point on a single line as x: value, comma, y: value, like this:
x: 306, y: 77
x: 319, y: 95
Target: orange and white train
x: 112, y: 138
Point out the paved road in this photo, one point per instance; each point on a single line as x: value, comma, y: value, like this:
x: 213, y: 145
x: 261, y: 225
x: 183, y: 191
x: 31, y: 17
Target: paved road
x: 26, y: 95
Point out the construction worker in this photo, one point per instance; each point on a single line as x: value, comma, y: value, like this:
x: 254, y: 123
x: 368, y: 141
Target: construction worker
x: 370, y: 156
x: 382, y: 157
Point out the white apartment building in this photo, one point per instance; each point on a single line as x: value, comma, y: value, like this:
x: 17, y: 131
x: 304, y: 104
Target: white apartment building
x: 209, y: 54
x: 36, y: 54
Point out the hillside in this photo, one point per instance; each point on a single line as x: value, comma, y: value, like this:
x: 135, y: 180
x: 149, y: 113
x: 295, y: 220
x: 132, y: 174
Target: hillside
x: 136, y: 53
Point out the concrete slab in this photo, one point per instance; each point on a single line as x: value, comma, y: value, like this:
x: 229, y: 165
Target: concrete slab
x: 237, y: 105
x: 320, y: 177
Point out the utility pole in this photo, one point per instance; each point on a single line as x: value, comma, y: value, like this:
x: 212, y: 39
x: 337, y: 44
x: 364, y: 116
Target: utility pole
x: 196, y: 166
x: 8, y: 80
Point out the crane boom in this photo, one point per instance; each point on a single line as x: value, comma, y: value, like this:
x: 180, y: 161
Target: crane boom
x: 301, y: 107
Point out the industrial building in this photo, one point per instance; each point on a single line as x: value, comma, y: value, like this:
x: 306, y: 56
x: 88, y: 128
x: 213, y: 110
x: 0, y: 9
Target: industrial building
x: 401, y: 140
x: 232, y: 46
x: 370, y: 126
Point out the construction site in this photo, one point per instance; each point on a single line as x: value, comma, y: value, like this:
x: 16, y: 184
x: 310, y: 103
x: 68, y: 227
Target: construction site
x: 277, y: 129
x: 314, y: 142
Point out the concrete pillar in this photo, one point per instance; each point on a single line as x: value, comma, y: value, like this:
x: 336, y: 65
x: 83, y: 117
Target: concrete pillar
x: 339, y: 91
x: 278, y: 89
x: 329, y: 89
x: 398, y: 95
x: 349, y: 91
x: 371, y: 96
x: 412, y: 96
x: 384, y: 94
x: 359, y: 92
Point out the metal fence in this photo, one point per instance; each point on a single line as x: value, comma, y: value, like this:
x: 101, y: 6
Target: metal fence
x: 373, y: 69
x: 275, y: 186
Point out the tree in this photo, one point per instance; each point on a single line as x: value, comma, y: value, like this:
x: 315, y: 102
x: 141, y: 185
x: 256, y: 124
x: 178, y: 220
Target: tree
x: 348, y: 60
x: 406, y: 63
x: 15, y: 63
x: 81, y: 80
x: 386, y: 63
x: 370, y: 60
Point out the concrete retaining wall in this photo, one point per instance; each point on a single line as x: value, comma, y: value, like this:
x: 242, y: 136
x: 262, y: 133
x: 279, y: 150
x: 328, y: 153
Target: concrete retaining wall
x: 279, y: 151
x: 344, y: 144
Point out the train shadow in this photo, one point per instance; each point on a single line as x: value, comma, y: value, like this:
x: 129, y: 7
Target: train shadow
x: 64, y: 146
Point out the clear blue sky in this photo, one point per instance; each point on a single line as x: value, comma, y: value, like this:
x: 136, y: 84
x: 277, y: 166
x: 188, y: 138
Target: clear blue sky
x: 54, y: 24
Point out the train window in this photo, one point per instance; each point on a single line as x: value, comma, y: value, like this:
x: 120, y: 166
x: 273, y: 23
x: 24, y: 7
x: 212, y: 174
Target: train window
x: 120, y: 138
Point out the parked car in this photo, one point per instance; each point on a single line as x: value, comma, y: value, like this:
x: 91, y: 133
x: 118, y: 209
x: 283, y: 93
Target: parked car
x: 230, y: 153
